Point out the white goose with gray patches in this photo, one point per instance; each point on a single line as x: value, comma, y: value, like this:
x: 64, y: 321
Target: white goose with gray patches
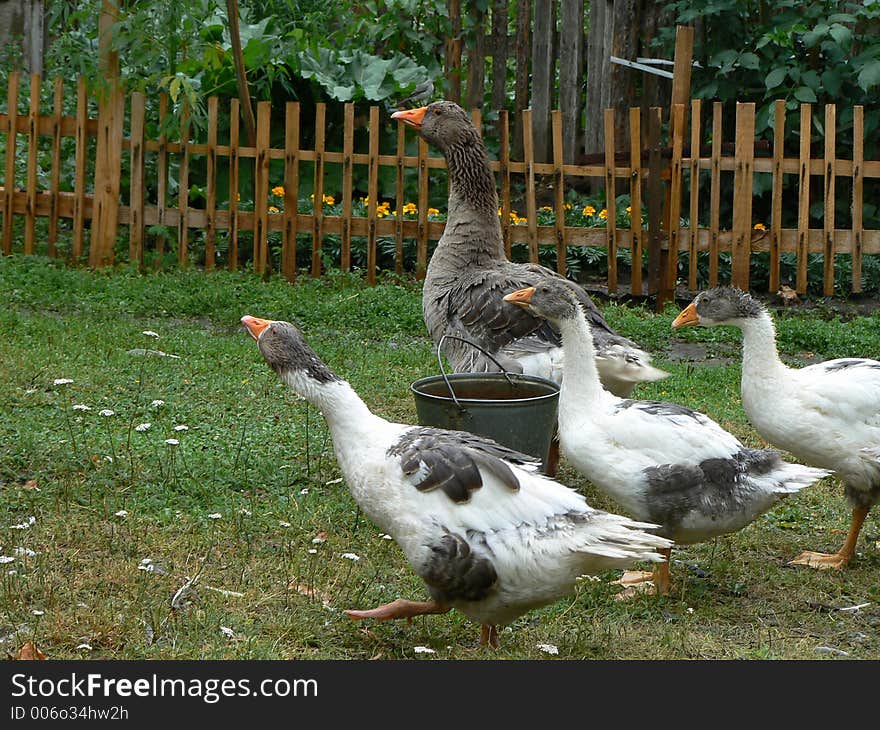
x: 488, y: 534
x: 826, y: 414
x: 662, y: 462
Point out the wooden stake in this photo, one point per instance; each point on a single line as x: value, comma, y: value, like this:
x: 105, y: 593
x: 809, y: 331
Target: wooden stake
x: 136, y: 187
x: 828, y: 224
x: 635, y: 188
x: 742, y: 195
x: 803, y: 243
x: 291, y: 190
x: 610, y: 201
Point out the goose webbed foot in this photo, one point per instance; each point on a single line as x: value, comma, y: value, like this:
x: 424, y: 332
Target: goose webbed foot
x: 489, y: 636
x: 640, y: 583
x: 821, y: 561
x: 401, y: 608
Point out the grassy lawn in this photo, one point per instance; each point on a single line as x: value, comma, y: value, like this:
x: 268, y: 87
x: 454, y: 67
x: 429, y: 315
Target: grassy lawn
x: 249, y: 503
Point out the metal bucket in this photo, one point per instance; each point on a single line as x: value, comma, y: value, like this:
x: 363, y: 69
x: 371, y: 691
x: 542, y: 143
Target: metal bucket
x: 517, y: 411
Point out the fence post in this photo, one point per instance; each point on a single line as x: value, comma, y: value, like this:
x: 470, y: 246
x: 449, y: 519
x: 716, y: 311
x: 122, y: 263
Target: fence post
x: 655, y: 203
x: 803, y: 240
x: 108, y: 155
x: 559, y: 190
x: 211, y: 182
x: 635, y: 187
x: 673, y: 211
x: 715, y: 193
x: 828, y: 222
x: 694, y: 209
x: 610, y: 201
x: 742, y: 195
x: 30, y: 220
x: 291, y: 190
x: 531, y: 212
x: 857, y: 196
x: 261, y: 189
x: 9, y: 176
x: 373, y: 188
x: 55, y: 181
x: 776, y: 204
x: 318, y: 188
x: 136, y: 194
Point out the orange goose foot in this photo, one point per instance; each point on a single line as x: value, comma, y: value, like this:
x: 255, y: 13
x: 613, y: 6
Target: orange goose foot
x: 821, y: 561
x: 401, y: 608
x: 489, y: 637
x: 640, y: 583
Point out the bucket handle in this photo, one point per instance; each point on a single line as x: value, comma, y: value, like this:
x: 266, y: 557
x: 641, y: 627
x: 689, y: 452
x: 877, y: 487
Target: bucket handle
x: 472, y: 344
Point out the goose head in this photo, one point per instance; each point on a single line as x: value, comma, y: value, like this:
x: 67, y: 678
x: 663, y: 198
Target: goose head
x: 550, y: 300
x: 443, y: 124
x: 286, y: 351
x: 721, y: 305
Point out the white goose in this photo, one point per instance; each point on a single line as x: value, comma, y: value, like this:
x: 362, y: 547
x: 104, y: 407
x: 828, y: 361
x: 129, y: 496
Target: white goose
x: 489, y: 535
x: 662, y: 462
x: 826, y: 414
x: 469, y: 272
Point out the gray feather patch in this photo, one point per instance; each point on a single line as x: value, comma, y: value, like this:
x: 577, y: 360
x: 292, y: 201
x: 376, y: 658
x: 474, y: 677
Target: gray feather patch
x: 450, y: 460
x: 454, y: 572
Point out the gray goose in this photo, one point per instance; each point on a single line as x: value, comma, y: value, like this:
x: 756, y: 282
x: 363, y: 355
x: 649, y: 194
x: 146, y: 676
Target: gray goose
x: 489, y: 535
x: 469, y: 274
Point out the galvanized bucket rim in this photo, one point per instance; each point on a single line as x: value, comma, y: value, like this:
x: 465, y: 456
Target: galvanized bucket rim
x: 522, y: 378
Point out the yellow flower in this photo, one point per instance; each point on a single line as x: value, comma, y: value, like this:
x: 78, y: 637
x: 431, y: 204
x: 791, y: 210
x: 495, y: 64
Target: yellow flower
x: 278, y: 190
x: 329, y: 200
x: 760, y: 227
x: 238, y: 197
x: 499, y: 211
x: 568, y: 206
x: 629, y: 210
x: 588, y: 210
x: 410, y: 208
x: 273, y: 209
x: 312, y: 197
x: 433, y: 211
x: 547, y: 208
x: 603, y: 214
x: 513, y: 216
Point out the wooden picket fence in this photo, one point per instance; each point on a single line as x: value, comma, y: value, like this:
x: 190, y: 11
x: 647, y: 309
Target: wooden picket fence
x: 655, y: 172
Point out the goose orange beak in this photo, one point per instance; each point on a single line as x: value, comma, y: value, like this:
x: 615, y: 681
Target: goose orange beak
x: 411, y: 117
x: 254, y: 325
x: 522, y: 297
x: 687, y: 316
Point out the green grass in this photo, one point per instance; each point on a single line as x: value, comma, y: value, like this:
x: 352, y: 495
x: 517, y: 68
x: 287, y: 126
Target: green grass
x: 255, y: 454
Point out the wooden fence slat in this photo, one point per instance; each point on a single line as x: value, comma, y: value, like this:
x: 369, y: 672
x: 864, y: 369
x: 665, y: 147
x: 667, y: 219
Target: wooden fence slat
x: 9, y: 174
x: 742, y: 195
x: 504, y: 173
x: 828, y: 221
x: 398, y: 229
x: 318, y: 188
x: 529, y: 156
x: 422, y: 240
x: 559, y: 195
x: 804, y: 198
x: 694, y: 208
x: 30, y: 219
x: 161, y: 181
x: 610, y: 201
x: 858, y: 186
x: 715, y: 193
x: 183, y: 192
x: 211, y: 184
x: 635, y: 192
x: 234, y: 157
x: 55, y: 175
x: 291, y: 189
x: 79, y: 170
x: 776, y: 197
x: 347, y: 174
x: 674, y: 223
x: 655, y: 203
x: 136, y: 187
x: 261, y: 190
x: 373, y: 187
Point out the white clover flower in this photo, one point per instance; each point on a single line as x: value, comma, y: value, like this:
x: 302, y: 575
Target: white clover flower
x: 122, y: 513
x: 29, y: 522
x: 350, y: 556
x: 214, y: 516
x: 304, y: 491
x: 80, y: 407
x: 4, y: 559
x: 30, y: 391
x: 181, y: 427
x: 142, y: 427
x: 157, y: 403
x: 38, y: 612
x: 11, y: 572
x: 87, y: 647
x: 245, y: 512
x: 312, y: 551
x: 548, y: 648
x: 283, y: 523
x: 423, y: 650
x: 334, y: 481
x: 226, y: 631
x: 62, y: 381
x: 318, y: 539
x: 26, y: 552
x: 150, y: 333
x: 106, y: 412
x: 172, y: 442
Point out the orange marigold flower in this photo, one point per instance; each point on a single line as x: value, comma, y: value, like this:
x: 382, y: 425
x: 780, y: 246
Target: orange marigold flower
x: 273, y: 209
x: 760, y: 227
x: 603, y: 214
x: 410, y: 208
x: 547, y: 208
x: 433, y: 211
x: 278, y: 190
x: 329, y: 200
x: 588, y: 210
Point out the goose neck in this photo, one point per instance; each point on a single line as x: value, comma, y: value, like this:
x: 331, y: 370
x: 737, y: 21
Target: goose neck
x: 581, y: 376
x: 760, y: 356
